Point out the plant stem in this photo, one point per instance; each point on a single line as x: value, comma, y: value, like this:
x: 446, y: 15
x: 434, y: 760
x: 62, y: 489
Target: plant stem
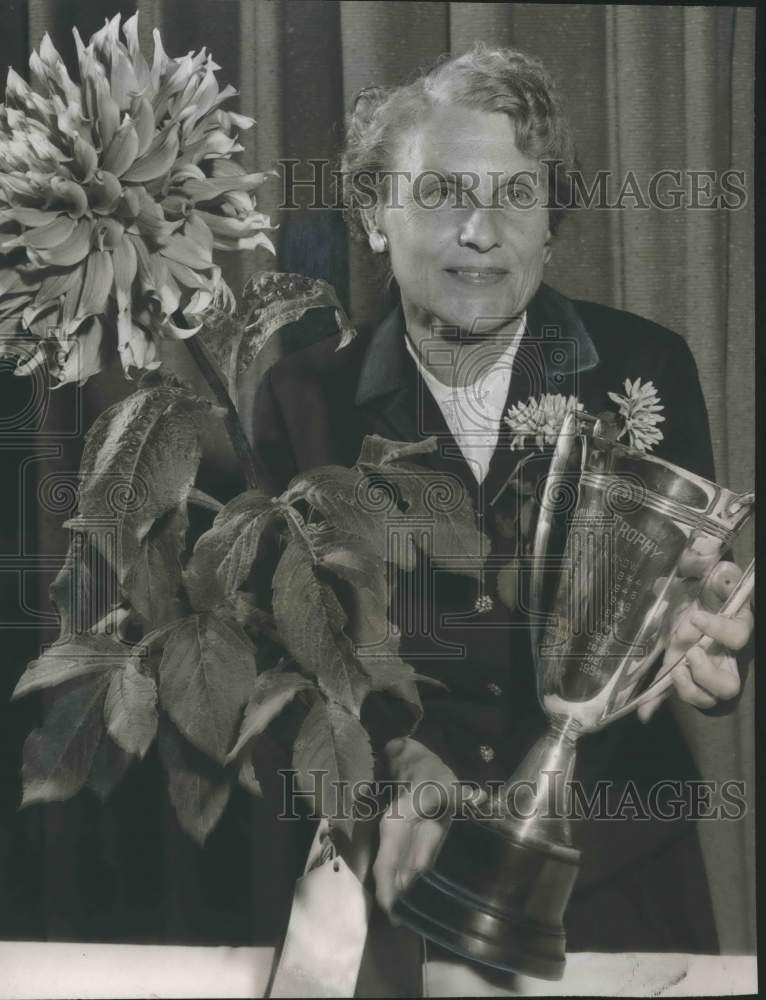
x: 234, y: 428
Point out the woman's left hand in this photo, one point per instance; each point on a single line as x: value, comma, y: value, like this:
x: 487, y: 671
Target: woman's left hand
x: 708, y: 676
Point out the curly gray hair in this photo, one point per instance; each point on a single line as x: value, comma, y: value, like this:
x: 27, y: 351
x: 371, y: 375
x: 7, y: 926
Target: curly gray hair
x: 485, y: 78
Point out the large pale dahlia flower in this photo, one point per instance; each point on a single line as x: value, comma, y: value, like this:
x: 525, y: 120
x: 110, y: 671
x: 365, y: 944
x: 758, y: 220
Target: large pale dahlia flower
x: 114, y: 192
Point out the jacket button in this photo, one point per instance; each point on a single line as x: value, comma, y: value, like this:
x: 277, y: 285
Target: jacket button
x: 494, y: 689
x: 487, y: 753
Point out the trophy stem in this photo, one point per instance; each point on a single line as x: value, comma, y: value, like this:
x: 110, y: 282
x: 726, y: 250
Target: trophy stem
x: 501, y: 881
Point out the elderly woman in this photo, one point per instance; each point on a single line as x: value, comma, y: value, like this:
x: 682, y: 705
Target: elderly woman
x: 458, y: 183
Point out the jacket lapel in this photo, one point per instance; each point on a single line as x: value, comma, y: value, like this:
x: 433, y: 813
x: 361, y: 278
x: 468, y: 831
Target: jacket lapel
x: 397, y: 404
x: 554, y: 350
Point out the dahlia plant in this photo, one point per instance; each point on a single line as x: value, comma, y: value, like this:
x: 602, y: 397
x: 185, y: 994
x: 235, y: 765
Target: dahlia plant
x: 114, y: 194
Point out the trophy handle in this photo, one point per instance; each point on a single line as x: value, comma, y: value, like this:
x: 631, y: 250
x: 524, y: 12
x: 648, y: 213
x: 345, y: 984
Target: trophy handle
x: 734, y: 603
x: 559, y: 461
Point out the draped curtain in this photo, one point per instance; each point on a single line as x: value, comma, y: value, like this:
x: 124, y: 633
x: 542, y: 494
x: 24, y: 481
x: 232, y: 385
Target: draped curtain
x: 646, y: 88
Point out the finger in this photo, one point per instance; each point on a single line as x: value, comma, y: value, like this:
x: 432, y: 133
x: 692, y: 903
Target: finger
x: 731, y: 633
x: 710, y: 673
x: 647, y: 710
x: 697, y: 560
x: 719, y: 584
x: 688, y: 691
x: 395, y: 838
x: 686, y: 632
x: 427, y: 838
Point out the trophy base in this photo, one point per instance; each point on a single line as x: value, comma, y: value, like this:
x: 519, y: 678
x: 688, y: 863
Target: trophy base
x: 495, y: 898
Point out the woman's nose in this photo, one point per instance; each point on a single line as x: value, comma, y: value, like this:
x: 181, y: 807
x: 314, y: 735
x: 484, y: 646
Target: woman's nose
x: 479, y: 231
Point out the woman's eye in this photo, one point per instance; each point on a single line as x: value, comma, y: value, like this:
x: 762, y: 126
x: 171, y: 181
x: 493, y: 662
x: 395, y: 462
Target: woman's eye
x: 519, y: 194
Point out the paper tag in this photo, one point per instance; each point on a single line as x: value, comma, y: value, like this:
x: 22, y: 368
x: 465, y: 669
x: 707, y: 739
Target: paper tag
x: 326, y: 934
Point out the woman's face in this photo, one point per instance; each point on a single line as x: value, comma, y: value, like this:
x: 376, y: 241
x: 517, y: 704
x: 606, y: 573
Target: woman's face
x: 466, y: 221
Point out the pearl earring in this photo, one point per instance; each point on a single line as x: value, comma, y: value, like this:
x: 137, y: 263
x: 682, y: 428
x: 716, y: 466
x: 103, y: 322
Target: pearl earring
x: 378, y: 241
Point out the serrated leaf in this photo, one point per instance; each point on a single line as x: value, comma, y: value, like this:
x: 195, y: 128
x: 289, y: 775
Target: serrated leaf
x: 199, y: 789
x: 272, y: 299
x: 206, y: 676
x: 200, y: 577
x: 238, y: 562
x: 70, y: 658
x: 110, y: 763
x: 310, y: 621
x: 364, y: 593
x: 154, y: 580
x: 71, y: 592
x: 273, y: 691
x: 437, y: 503
x: 139, y: 463
x: 353, y: 500
x: 269, y: 301
x: 130, y: 709
x: 377, y: 450
x: 58, y: 756
x: 333, y: 742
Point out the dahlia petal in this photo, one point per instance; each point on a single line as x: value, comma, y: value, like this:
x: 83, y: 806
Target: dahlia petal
x: 70, y: 252
x: 99, y: 275
x: 70, y: 195
x: 87, y: 354
x: 27, y: 367
x: 185, y: 252
x: 49, y: 236
x: 157, y: 160
x: 142, y: 113
x: 58, y: 284
x: 122, y: 149
x: 213, y: 187
x: 104, y: 191
x: 106, y: 111
x: 140, y: 65
x: 173, y: 332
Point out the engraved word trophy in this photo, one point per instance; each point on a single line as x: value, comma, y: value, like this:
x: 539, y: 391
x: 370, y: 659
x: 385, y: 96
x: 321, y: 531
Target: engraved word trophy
x: 601, y: 621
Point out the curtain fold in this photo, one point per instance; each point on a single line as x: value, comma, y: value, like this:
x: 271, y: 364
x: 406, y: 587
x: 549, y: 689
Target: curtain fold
x: 646, y: 88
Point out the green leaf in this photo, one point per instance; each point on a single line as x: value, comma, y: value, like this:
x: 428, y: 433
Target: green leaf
x: 273, y: 691
x: 199, y: 789
x: 377, y: 450
x: 201, y: 577
x: 154, y: 580
x: 110, y: 763
x: 362, y: 586
x: 236, y: 566
x: 130, y: 709
x: 57, y: 757
x: 437, y: 503
x: 269, y: 301
x: 310, y: 620
x: 355, y: 501
x: 70, y: 592
x: 70, y: 658
x: 206, y: 677
x: 334, y: 742
x: 139, y: 463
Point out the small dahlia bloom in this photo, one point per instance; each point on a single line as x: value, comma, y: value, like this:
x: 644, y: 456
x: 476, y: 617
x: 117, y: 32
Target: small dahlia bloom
x: 540, y: 419
x: 114, y: 192
x: 641, y: 410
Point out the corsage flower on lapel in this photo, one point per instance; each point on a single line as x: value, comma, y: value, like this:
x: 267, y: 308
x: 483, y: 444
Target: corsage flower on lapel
x: 641, y: 410
x: 540, y: 420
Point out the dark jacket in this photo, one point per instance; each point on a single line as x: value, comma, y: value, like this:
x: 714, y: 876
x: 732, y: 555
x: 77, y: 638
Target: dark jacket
x: 642, y: 884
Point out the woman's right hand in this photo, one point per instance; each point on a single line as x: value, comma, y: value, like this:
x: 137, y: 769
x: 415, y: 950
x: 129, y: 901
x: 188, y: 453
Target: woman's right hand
x: 408, y: 839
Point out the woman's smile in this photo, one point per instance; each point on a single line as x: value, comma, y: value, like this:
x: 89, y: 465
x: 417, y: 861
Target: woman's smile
x: 478, y: 276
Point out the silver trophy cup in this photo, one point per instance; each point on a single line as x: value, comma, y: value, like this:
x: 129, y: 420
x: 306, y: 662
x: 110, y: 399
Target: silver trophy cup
x: 639, y: 540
